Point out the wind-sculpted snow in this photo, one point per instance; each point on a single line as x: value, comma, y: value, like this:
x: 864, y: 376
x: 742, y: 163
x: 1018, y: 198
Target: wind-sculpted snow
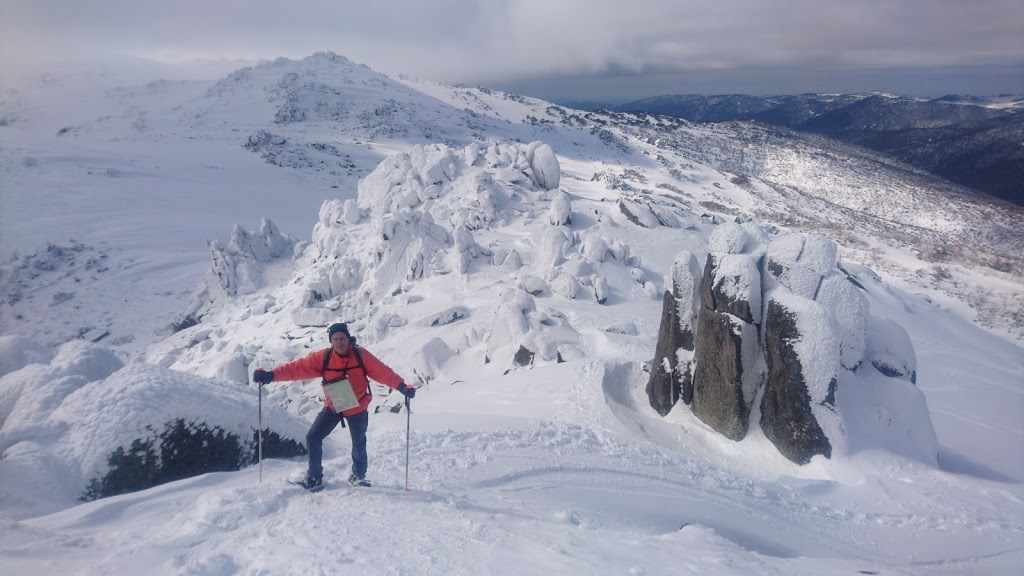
x: 16, y: 352
x: 425, y: 214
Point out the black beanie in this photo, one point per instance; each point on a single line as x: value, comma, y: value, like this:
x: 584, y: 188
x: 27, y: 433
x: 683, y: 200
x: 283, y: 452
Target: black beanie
x: 339, y: 327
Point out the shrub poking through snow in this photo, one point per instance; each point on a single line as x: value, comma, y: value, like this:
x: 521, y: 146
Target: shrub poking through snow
x: 182, y: 450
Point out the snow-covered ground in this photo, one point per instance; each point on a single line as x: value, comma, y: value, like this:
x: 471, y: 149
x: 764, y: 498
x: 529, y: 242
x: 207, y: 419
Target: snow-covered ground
x: 554, y: 468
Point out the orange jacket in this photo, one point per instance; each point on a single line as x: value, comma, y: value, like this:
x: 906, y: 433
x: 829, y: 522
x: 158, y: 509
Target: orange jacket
x: 312, y: 367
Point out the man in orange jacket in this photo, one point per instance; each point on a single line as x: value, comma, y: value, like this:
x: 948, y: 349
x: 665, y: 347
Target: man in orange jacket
x: 345, y: 369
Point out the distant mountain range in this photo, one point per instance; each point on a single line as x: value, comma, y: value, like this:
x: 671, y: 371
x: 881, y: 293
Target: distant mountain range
x: 972, y: 141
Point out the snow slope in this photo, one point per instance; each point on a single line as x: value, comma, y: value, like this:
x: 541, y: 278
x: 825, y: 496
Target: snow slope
x: 555, y: 467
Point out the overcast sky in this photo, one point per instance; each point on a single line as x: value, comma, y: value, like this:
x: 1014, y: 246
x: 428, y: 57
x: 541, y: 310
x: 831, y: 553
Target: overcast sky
x: 565, y: 49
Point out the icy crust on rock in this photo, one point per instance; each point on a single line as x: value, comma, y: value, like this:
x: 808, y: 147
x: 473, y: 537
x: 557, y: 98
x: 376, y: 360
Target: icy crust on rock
x: 840, y: 339
x: 546, y: 171
x: 141, y: 397
x: 684, y: 280
x: 807, y: 265
x: 238, y: 268
x: 738, y: 238
x: 849, y: 308
x: 890, y: 351
x: 38, y: 389
x: 425, y: 227
x: 739, y: 279
x: 86, y: 403
x: 419, y: 211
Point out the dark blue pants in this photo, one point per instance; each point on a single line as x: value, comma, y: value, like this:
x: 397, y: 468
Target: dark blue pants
x: 326, y: 421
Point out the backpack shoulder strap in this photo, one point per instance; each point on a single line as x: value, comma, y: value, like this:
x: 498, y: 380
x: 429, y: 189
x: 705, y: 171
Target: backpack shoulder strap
x: 359, y: 358
x: 327, y: 360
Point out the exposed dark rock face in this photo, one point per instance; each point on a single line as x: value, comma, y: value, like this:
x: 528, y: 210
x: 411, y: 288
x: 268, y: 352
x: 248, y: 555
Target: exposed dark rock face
x: 672, y: 373
x: 727, y: 348
x: 718, y: 382
x: 786, y: 416
x: 662, y: 388
x: 524, y: 356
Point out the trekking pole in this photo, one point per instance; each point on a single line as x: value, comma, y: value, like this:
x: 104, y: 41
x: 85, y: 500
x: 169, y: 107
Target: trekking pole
x: 260, y: 432
x: 408, y: 418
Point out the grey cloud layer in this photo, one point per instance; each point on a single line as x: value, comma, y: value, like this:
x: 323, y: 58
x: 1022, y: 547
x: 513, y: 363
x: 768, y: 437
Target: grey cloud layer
x: 490, y: 40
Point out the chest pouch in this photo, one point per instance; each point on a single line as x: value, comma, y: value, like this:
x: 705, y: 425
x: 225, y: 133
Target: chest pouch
x: 341, y: 395
x: 339, y: 391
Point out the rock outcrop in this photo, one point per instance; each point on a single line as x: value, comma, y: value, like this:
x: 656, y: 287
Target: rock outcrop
x: 775, y: 319
x: 672, y: 373
x: 729, y: 364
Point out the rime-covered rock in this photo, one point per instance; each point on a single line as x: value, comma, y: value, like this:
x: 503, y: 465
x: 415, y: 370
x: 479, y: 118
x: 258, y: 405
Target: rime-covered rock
x: 546, y: 171
x: 639, y: 214
x: 16, y: 352
x: 672, y: 371
x: 732, y: 284
x: 890, y: 351
x: 445, y: 317
x: 890, y: 412
x: 565, y: 285
x: 238, y: 268
x: 601, y: 290
x: 560, y: 213
x: 507, y: 259
x: 848, y: 307
x: 798, y: 409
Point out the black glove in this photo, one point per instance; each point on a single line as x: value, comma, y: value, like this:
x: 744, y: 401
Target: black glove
x: 263, y: 377
x: 408, y: 391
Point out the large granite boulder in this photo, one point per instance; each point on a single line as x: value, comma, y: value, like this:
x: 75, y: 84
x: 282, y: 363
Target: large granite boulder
x: 798, y: 404
x: 728, y: 358
x: 720, y: 398
x: 778, y: 316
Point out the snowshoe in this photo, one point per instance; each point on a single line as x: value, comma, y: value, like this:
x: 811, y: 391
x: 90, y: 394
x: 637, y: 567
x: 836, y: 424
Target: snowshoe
x: 311, y: 483
x: 358, y: 481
